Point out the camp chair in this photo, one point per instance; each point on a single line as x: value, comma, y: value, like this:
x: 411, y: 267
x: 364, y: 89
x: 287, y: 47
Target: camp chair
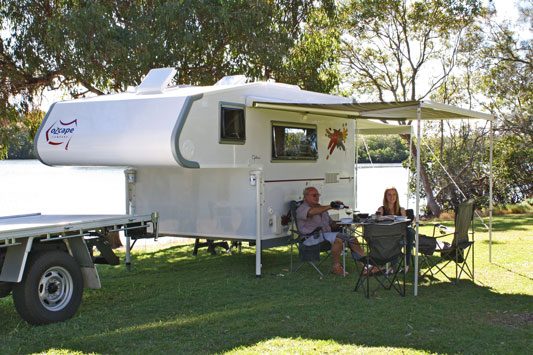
x: 384, y: 243
x: 459, y: 249
x: 308, y: 254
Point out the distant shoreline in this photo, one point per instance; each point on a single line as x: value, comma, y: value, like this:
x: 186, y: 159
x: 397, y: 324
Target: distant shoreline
x: 379, y: 165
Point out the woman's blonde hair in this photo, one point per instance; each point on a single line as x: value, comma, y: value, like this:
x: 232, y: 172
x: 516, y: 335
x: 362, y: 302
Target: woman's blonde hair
x: 396, y: 207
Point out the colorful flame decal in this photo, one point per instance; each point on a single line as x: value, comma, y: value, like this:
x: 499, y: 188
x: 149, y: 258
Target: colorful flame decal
x: 337, y: 138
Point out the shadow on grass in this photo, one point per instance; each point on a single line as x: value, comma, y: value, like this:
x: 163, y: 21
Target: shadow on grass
x: 511, y: 222
x: 512, y: 271
x: 494, y: 242
x: 172, y: 302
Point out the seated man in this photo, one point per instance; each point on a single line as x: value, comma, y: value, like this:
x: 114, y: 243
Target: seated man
x: 311, y: 215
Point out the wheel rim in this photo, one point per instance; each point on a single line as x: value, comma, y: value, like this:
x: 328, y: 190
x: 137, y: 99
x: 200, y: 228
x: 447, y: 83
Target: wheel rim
x: 55, y: 288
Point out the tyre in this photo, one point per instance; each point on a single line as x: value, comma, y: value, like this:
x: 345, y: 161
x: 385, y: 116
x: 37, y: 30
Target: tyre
x: 51, y: 289
x: 5, y: 289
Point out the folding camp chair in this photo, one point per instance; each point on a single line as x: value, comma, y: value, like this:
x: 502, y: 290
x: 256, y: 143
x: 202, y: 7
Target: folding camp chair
x: 458, y: 251
x: 307, y: 254
x: 384, y: 243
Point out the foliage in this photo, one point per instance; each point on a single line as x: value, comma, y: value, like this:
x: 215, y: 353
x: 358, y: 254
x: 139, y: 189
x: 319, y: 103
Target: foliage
x: 456, y: 164
x: 520, y: 208
x: 173, y: 302
x: 20, y: 146
x: 8, y: 127
x: 390, y: 47
x: 491, y: 56
x: 312, y: 62
x: 399, y: 50
x: 513, y: 169
x: 96, y: 47
x: 511, y: 100
x: 452, y: 52
x: 382, y: 149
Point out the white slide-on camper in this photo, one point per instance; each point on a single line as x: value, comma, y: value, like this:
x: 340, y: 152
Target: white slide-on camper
x: 216, y: 162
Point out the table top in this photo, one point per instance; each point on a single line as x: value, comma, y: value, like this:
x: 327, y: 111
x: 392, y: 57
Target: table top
x: 350, y: 221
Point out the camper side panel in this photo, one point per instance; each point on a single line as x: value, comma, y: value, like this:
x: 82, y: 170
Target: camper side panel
x: 198, y: 202
x: 218, y: 200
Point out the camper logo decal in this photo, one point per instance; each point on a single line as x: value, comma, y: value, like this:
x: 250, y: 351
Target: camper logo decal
x: 60, y: 133
x: 337, y: 138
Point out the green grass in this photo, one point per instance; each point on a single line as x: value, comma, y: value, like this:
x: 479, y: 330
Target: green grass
x: 171, y: 302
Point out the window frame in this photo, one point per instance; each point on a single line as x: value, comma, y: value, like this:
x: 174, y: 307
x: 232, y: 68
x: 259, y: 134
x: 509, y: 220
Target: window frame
x: 221, y: 123
x: 288, y: 159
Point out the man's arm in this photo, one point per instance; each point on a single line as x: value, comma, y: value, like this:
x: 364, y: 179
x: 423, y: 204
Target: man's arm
x: 313, y: 211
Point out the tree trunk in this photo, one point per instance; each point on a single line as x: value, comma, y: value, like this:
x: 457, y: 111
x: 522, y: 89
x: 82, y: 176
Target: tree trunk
x: 430, y: 197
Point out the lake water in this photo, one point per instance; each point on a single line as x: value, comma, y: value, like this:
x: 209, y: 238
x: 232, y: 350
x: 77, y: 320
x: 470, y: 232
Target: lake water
x: 28, y: 186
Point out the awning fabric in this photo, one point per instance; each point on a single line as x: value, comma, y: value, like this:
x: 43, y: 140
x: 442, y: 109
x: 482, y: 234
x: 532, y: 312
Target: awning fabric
x: 367, y: 126
x: 398, y: 111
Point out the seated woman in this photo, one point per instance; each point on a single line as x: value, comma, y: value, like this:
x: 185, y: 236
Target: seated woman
x: 391, y: 206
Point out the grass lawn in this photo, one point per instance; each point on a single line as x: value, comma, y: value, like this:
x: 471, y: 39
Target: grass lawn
x: 172, y: 302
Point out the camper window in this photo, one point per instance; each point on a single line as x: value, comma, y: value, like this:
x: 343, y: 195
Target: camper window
x: 232, y: 125
x: 291, y: 141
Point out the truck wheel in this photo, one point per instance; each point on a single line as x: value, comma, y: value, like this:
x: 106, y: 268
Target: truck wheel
x: 51, y: 288
x: 5, y: 289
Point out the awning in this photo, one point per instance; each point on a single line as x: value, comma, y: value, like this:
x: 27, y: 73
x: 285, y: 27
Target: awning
x: 393, y: 111
x: 398, y: 111
x: 367, y: 126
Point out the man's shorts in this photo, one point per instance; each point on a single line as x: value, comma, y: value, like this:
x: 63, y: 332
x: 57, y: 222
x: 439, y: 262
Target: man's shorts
x: 329, y: 236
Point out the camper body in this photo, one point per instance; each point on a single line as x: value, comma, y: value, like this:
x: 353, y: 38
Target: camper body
x: 211, y: 163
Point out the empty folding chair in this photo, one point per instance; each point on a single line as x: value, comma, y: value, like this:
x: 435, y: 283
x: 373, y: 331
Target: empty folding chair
x: 458, y: 251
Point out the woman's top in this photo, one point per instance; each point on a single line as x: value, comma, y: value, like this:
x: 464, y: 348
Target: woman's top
x: 386, y: 212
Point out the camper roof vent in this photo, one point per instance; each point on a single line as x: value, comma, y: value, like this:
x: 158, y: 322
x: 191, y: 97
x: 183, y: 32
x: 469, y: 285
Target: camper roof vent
x: 156, y: 81
x: 232, y: 80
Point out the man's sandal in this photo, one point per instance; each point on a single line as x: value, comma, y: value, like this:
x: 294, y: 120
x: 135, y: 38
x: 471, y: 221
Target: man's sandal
x: 374, y: 270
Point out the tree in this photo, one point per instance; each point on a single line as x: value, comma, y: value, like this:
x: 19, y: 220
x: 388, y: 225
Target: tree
x: 403, y: 50
x: 507, y: 87
x: 382, y: 149
x: 97, y: 47
x: 496, y: 76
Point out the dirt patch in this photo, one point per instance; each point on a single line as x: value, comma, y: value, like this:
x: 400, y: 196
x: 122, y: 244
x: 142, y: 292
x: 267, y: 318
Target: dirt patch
x: 511, y: 319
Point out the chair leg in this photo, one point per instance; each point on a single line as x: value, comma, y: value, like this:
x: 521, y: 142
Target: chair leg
x: 290, y: 267
x: 472, y: 261
x: 299, y: 267
x: 439, y: 268
x: 367, y: 276
x: 463, y: 267
x: 316, y: 268
x: 310, y: 263
x: 363, y: 281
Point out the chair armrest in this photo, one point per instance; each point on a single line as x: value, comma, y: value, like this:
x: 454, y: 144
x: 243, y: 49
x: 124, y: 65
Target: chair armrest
x: 301, y: 237
x: 443, y: 230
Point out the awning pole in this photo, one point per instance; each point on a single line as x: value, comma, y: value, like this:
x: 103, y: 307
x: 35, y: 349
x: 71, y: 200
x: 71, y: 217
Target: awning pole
x: 256, y: 178
x: 356, y: 165
x: 410, y: 161
x: 417, y: 205
x: 490, y: 189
